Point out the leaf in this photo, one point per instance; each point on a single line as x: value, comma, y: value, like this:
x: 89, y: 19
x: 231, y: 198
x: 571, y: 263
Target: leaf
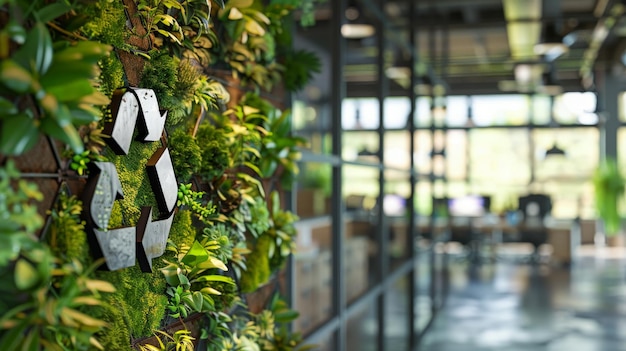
x: 36, y: 53
x: 286, y: 316
x: 210, y: 290
x: 240, y: 3
x: 15, y: 77
x: 66, y: 133
x: 253, y: 27
x: 99, y: 285
x: 214, y: 278
x: 52, y: 11
x: 19, y: 134
x: 82, y: 318
x: 7, y: 107
x: 12, y: 338
x: 25, y: 275
x: 213, y: 262
x: 235, y: 14
x: 71, y: 90
x: 196, y: 254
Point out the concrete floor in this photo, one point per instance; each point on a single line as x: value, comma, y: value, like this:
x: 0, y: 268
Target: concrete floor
x: 514, y: 307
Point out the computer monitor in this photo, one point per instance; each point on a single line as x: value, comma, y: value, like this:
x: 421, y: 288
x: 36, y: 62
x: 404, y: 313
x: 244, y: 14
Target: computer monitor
x: 467, y: 206
x: 394, y: 205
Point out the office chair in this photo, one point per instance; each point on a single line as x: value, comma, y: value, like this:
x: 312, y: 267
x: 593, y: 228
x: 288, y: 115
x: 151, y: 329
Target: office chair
x: 532, y: 229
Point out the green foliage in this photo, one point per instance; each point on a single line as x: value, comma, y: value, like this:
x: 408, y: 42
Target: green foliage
x: 180, y: 340
x: 160, y: 74
x: 218, y: 235
x: 301, y: 64
x: 58, y: 78
x: 49, y: 304
x: 111, y: 74
x: 182, y: 28
x: 66, y: 236
x: 182, y: 231
x: 267, y: 331
x: 191, y: 277
x: 193, y: 199
x: 19, y: 219
x: 277, y: 318
x: 214, y: 147
x: 278, y: 151
x: 139, y: 301
x: 258, y: 263
x: 306, y: 7
x: 185, y: 153
x: 101, y: 20
x: 247, y: 45
x: 79, y: 162
x: 259, y: 217
x: 117, y: 335
x: 283, y: 233
x: 609, y: 189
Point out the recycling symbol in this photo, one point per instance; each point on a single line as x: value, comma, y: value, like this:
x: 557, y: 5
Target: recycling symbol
x: 131, y: 108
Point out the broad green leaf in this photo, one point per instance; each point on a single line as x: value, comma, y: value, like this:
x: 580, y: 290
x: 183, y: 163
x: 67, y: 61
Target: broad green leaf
x: 198, y: 300
x: 286, y: 316
x: 63, y: 72
x: 15, y: 77
x: 52, y: 11
x: 71, y: 90
x: 196, y: 254
x: 25, y: 275
x: 6, y: 107
x: 19, y: 134
x: 36, y: 53
x: 63, y: 131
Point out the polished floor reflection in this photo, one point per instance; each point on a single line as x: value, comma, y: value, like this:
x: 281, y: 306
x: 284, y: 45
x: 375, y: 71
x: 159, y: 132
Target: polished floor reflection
x: 514, y: 307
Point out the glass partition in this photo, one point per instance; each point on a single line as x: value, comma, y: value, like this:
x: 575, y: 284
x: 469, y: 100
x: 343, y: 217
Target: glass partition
x: 313, y: 283
x: 395, y: 202
x: 361, y: 195
x: 397, y: 316
x: 362, y: 329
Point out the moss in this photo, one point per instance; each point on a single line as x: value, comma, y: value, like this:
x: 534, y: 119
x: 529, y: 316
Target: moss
x: 161, y: 75
x: 214, y: 147
x: 183, y: 231
x: 66, y: 236
x: 116, y: 336
x: 140, y: 298
x: 185, y: 153
x: 105, y: 19
x: 258, y: 271
x: 111, y: 74
x: 132, y: 173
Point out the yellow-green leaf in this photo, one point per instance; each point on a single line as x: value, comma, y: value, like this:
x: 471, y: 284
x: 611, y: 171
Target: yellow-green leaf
x: 25, y: 275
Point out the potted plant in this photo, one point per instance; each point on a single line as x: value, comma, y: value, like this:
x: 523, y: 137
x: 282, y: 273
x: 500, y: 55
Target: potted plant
x: 609, y: 185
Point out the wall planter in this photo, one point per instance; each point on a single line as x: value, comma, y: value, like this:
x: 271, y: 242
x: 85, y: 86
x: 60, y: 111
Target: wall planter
x: 137, y: 70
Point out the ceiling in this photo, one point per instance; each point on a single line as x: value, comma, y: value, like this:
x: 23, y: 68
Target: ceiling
x: 467, y: 45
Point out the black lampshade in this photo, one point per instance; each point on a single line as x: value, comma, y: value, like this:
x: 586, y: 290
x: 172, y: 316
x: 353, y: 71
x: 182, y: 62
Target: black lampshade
x: 555, y: 151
